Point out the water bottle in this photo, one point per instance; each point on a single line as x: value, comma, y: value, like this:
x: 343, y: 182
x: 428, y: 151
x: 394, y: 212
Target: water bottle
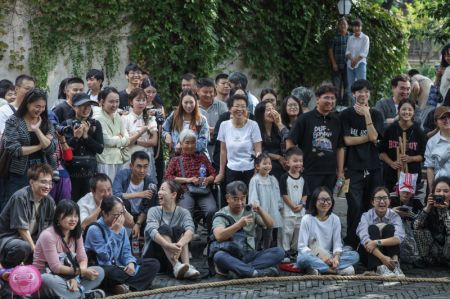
x: 202, y: 175
x: 135, y: 247
x: 338, y: 186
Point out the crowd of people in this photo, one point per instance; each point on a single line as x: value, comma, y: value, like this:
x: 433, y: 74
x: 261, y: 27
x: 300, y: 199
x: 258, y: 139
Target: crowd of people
x: 89, y: 197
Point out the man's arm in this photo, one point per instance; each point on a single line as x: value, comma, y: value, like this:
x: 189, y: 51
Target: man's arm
x: 340, y: 155
x: 26, y: 236
x: 91, y: 218
x: 224, y: 233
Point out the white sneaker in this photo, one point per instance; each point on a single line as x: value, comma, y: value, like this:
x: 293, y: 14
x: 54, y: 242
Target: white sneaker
x: 398, y: 271
x: 179, y: 270
x: 286, y: 260
x: 382, y: 270
x: 192, y: 272
x: 347, y: 271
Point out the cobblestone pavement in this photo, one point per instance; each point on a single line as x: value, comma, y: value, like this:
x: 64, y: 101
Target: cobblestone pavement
x: 307, y: 289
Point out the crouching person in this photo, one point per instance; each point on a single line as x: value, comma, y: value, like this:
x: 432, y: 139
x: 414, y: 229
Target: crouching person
x: 246, y: 262
x: 319, y: 243
x: 381, y: 232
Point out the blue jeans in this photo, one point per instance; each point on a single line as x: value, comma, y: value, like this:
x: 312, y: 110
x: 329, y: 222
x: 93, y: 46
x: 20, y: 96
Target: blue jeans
x: 353, y: 75
x: 348, y: 258
x: 252, y: 261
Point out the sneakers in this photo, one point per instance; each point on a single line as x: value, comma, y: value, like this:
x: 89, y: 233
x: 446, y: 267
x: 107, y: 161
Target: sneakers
x: 120, y: 289
x: 286, y: 260
x: 271, y: 272
x: 179, y: 270
x: 312, y: 271
x: 382, y: 270
x: 96, y: 293
x: 191, y: 273
x: 347, y: 271
x: 398, y: 271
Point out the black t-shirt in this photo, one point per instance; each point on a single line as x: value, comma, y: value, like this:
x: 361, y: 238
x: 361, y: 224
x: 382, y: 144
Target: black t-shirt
x: 64, y: 112
x: 363, y: 156
x: 123, y: 100
x: 319, y: 137
x: 416, y: 144
x: 284, y: 188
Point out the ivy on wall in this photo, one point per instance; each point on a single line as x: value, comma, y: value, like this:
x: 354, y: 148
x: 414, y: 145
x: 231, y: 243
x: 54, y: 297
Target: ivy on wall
x: 284, y: 41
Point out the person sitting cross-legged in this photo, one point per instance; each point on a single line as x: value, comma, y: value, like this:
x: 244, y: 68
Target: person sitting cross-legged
x: 249, y: 262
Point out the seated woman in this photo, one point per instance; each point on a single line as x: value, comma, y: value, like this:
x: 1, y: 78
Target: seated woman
x: 319, y: 242
x: 381, y: 232
x: 109, y: 240
x: 185, y: 169
x: 432, y: 224
x: 60, y: 256
x: 168, y: 232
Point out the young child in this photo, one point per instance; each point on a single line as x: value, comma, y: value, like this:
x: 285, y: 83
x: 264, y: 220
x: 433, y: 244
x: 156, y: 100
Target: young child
x: 265, y: 191
x: 293, y: 191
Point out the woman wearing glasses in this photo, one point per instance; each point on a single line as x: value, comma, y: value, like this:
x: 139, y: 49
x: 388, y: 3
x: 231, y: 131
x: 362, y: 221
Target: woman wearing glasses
x: 29, y: 138
x: 437, y: 152
x: 109, y: 240
x: 291, y: 109
x: 320, y: 247
x: 381, y: 232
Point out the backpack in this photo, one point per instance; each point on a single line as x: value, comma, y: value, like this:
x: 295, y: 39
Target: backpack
x: 236, y: 246
x: 91, y: 254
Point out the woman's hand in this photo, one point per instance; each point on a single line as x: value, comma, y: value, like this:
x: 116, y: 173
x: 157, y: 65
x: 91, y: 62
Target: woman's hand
x: 276, y: 118
x: 168, y: 141
x: 174, y: 250
x: 396, y: 165
x: 335, y: 262
x: 129, y: 269
x: 78, y: 132
x: 89, y: 273
x: 194, y: 180
x: 406, y: 159
x: 370, y: 246
x: 118, y: 223
x: 35, y: 127
x: 219, y: 178
x: 136, y: 232
x: 72, y: 285
x: 388, y: 262
x: 430, y: 203
x: 327, y: 260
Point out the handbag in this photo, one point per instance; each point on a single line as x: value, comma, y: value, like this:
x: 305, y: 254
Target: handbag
x: 193, y: 189
x: 85, y: 162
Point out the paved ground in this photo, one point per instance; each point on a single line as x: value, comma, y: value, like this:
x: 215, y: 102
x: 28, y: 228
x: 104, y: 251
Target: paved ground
x: 306, y: 289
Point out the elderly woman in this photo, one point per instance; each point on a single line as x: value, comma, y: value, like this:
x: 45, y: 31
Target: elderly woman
x: 108, y: 238
x: 186, y: 170
x: 319, y: 242
x: 29, y: 138
x: 381, y: 232
x: 432, y: 225
x: 168, y: 232
x: 240, y: 140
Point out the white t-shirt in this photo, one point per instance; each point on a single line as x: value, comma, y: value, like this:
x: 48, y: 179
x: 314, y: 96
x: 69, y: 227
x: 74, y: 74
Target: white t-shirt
x: 134, y: 123
x: 87, y: 206
x: 135, y: 202
x: 239, y: 143
x: 5, y: 113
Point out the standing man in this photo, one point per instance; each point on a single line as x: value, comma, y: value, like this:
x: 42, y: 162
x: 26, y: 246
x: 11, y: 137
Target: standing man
x: 189, y: 81
x: 401, y: 89
x: 319, y: 134
x: 94, y: 80
x: 23, y: 85
x: 356, y: 54
x: 222, y: 87
x: 337, y: 46
x: 239, y: 80
x: 362, y: 130
x: 65, y: 109
x: 133, y: 74
x: 210, y: 107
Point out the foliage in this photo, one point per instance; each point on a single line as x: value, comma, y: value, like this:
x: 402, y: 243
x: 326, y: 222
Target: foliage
x: 439, y: 11
x: 81, y: 28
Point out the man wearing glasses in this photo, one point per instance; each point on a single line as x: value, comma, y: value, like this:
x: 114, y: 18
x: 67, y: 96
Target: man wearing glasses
x: 133, y: 73
x: 28, y: 212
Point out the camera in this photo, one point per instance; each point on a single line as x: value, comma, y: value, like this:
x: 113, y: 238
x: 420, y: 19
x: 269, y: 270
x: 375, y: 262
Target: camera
x: 73, y: 125
x: 159, y: 118
x: 62, y: 130
x: 439, y: 199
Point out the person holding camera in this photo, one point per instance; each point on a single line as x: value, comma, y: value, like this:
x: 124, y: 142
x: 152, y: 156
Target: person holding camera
x: 432, y: 225
x: 84, y: 135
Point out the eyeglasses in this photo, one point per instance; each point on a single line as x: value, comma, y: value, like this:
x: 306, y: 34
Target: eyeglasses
x: 292, y: 106
x: 134, y: 73
x: 445, y: 118
x: 240, y: 107
x: 380, y: 198
x: 46, y: 183
x: 323, y: 200
x: 328, y: 98
x: 239, y: 198
x: 118, y: 215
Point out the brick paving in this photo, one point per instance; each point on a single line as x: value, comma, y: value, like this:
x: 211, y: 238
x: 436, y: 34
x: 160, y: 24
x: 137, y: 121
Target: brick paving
x: 306, y: 289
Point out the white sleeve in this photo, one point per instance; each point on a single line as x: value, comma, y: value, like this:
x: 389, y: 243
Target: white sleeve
x: 337, y: 242
x: 303, y: 235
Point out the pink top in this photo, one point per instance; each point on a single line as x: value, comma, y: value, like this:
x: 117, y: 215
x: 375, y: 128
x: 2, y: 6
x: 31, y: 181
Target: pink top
x: 49, y: 246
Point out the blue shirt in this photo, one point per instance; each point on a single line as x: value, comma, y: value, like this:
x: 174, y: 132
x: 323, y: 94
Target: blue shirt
x: 370, y: 217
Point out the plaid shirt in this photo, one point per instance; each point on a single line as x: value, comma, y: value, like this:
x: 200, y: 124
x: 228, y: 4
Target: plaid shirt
x: 191, y: 165
x: 339, y: 45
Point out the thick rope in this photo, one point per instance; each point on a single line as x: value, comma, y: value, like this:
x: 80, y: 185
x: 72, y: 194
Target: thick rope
x: 242, y: 281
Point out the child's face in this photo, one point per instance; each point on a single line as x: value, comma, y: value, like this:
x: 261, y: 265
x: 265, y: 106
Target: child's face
x: 295, y: 163
x: 405, y: 197
x: 264, y: 167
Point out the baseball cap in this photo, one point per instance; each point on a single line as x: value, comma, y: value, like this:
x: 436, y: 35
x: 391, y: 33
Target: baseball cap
x: 81, y: 99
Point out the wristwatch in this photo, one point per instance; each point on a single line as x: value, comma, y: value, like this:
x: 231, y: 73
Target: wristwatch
x: 378, y: 243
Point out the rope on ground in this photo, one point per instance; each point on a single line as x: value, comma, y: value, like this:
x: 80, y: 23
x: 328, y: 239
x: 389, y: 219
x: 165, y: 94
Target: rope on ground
x: 242, y: 281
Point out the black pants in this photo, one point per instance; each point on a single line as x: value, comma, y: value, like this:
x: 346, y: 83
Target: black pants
x: 362, y: 184
x: 369, y: 259
x: 14, y: 252
x: 245, y: 176
x: 315, y: 181
x: 80, y: 187
x: 141, y: 281
x: 156, y: 251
